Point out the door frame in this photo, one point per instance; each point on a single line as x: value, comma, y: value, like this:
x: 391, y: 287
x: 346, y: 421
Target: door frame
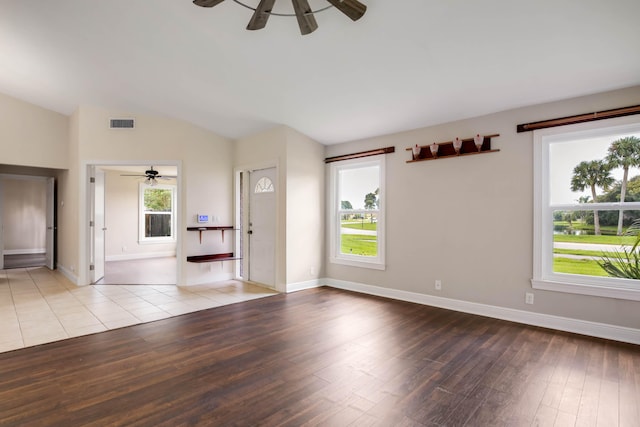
x: 50, y: 207
x: 241, y: 219
x: 84, y: 258
x: 51, y: 223
x: 98, y: 244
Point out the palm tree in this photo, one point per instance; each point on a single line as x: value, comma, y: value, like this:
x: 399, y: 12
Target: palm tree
x: 624, y: 153
x: 592, y: 174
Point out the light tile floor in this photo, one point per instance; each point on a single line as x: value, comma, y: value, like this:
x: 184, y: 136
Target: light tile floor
x: 39, y: 306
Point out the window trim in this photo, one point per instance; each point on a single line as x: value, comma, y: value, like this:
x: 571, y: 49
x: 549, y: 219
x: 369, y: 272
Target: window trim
x: 142, y: 239
x: 335, y: 257
x: 543, y: 276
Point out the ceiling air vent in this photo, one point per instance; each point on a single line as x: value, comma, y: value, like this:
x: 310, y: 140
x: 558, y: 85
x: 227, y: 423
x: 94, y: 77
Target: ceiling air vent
x: 121, y: 123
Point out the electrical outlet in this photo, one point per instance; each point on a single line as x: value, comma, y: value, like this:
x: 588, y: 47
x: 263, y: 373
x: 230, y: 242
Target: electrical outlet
x: 312, y: 271
x: 528, y: 298
x: 438, y: 285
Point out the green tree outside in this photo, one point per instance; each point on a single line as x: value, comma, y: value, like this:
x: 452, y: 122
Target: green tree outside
x: 623, y: 153
x: 592, y: 174
x: 157, y: 200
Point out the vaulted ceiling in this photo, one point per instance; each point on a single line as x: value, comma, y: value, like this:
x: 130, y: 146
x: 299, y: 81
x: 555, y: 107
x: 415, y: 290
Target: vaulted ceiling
x: 405, y: 64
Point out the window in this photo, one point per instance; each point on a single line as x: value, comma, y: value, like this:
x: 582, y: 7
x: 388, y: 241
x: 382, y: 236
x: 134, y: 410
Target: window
x: 587, y: 208
x: 157, y: 213
x: 264, y: 185
x: 357, y: 212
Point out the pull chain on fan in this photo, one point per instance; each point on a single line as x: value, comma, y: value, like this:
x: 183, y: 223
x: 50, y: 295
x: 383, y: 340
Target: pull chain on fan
x: 303, y: 13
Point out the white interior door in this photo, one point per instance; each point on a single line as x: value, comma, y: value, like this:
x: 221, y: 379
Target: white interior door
x: 98, y: 225
x: 262, y: 226
x: 51, y: 225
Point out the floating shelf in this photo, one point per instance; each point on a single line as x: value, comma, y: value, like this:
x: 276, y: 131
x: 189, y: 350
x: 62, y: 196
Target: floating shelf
x: 212, y: 258
x: 222, y: 228
x: 446, y: 149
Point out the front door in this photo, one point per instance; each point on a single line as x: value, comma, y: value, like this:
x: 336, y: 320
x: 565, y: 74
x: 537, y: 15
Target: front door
x: 262, y: 226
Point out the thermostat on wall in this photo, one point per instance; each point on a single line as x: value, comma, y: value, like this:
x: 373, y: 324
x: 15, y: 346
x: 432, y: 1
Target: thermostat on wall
x: 203, y: 218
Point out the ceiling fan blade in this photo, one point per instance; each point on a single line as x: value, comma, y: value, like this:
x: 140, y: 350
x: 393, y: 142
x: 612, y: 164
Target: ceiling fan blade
x: 207, y: 3
x: 306, y: 20
x: 352, y: 8
x: 138, y: 175
x: 261, y: 15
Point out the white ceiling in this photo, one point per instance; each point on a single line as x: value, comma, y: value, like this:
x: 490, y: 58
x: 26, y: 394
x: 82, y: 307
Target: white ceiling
x: 405, y: 64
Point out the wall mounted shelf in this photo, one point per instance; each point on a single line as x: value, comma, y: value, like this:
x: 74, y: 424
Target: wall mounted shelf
x: 446, y: 149
x: 212, y: 257
x: 201, y: 229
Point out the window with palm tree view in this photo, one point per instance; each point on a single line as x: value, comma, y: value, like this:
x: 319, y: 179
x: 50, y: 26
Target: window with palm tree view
x: 588, y: 206
x: 357, y: 227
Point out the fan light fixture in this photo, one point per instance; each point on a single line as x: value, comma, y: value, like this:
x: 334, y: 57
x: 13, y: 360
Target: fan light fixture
x: 151, y: 176
x: 303, y: 13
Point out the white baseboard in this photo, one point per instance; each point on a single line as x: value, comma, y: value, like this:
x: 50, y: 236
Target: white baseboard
x: 24, y: 251
x: 144, y: 255
x: 600, y: 330
x: 300, y: 286
x: 68, y: 274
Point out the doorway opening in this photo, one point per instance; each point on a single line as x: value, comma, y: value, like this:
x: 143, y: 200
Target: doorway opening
x: 133, y: 224
x: 27, y: 221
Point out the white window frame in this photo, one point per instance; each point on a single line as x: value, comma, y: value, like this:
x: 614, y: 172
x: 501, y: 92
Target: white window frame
x: 142, y: 239
x: 336, y: 211
x: 543, y: 275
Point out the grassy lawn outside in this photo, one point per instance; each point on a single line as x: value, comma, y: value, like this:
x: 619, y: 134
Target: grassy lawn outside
x: 578, y: 266
x: 602, y: 240
x: 356, y: 224
x: 359, y: 244
x: 579, y: 252
x: 587, y: 267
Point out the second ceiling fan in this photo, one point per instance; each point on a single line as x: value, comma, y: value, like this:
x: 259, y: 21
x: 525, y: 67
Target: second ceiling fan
x: 151, y: 176
x: 306, y: 21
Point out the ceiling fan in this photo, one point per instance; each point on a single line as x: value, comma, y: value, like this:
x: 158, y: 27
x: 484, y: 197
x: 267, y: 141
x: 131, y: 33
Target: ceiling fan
x: 151, y: 176
x: 306, y: 21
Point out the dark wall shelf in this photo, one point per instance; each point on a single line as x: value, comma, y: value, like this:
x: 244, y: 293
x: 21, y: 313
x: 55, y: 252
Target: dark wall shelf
x: 221, y: 228
x: 446, y: 149
x: 212, y: 257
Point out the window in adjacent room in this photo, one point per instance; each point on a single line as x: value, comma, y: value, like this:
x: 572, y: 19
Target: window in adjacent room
x: 357, y: 212
x: 157, y: 213
x: 587, y: 208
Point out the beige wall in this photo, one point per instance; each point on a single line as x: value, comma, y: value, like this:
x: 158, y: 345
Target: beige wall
x: 31, y: 135
x: 24, y: 215
x: 35, y: 141
x: 469, y: 221
x: 205, y: 171
x: 122, y: 221
x: 68, y: 200
x: 300, y: 205
x: 305, y: 208
x: 269, y: 149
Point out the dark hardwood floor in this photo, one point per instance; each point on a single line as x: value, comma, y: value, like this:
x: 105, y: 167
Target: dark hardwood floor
x: 323, y: 357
